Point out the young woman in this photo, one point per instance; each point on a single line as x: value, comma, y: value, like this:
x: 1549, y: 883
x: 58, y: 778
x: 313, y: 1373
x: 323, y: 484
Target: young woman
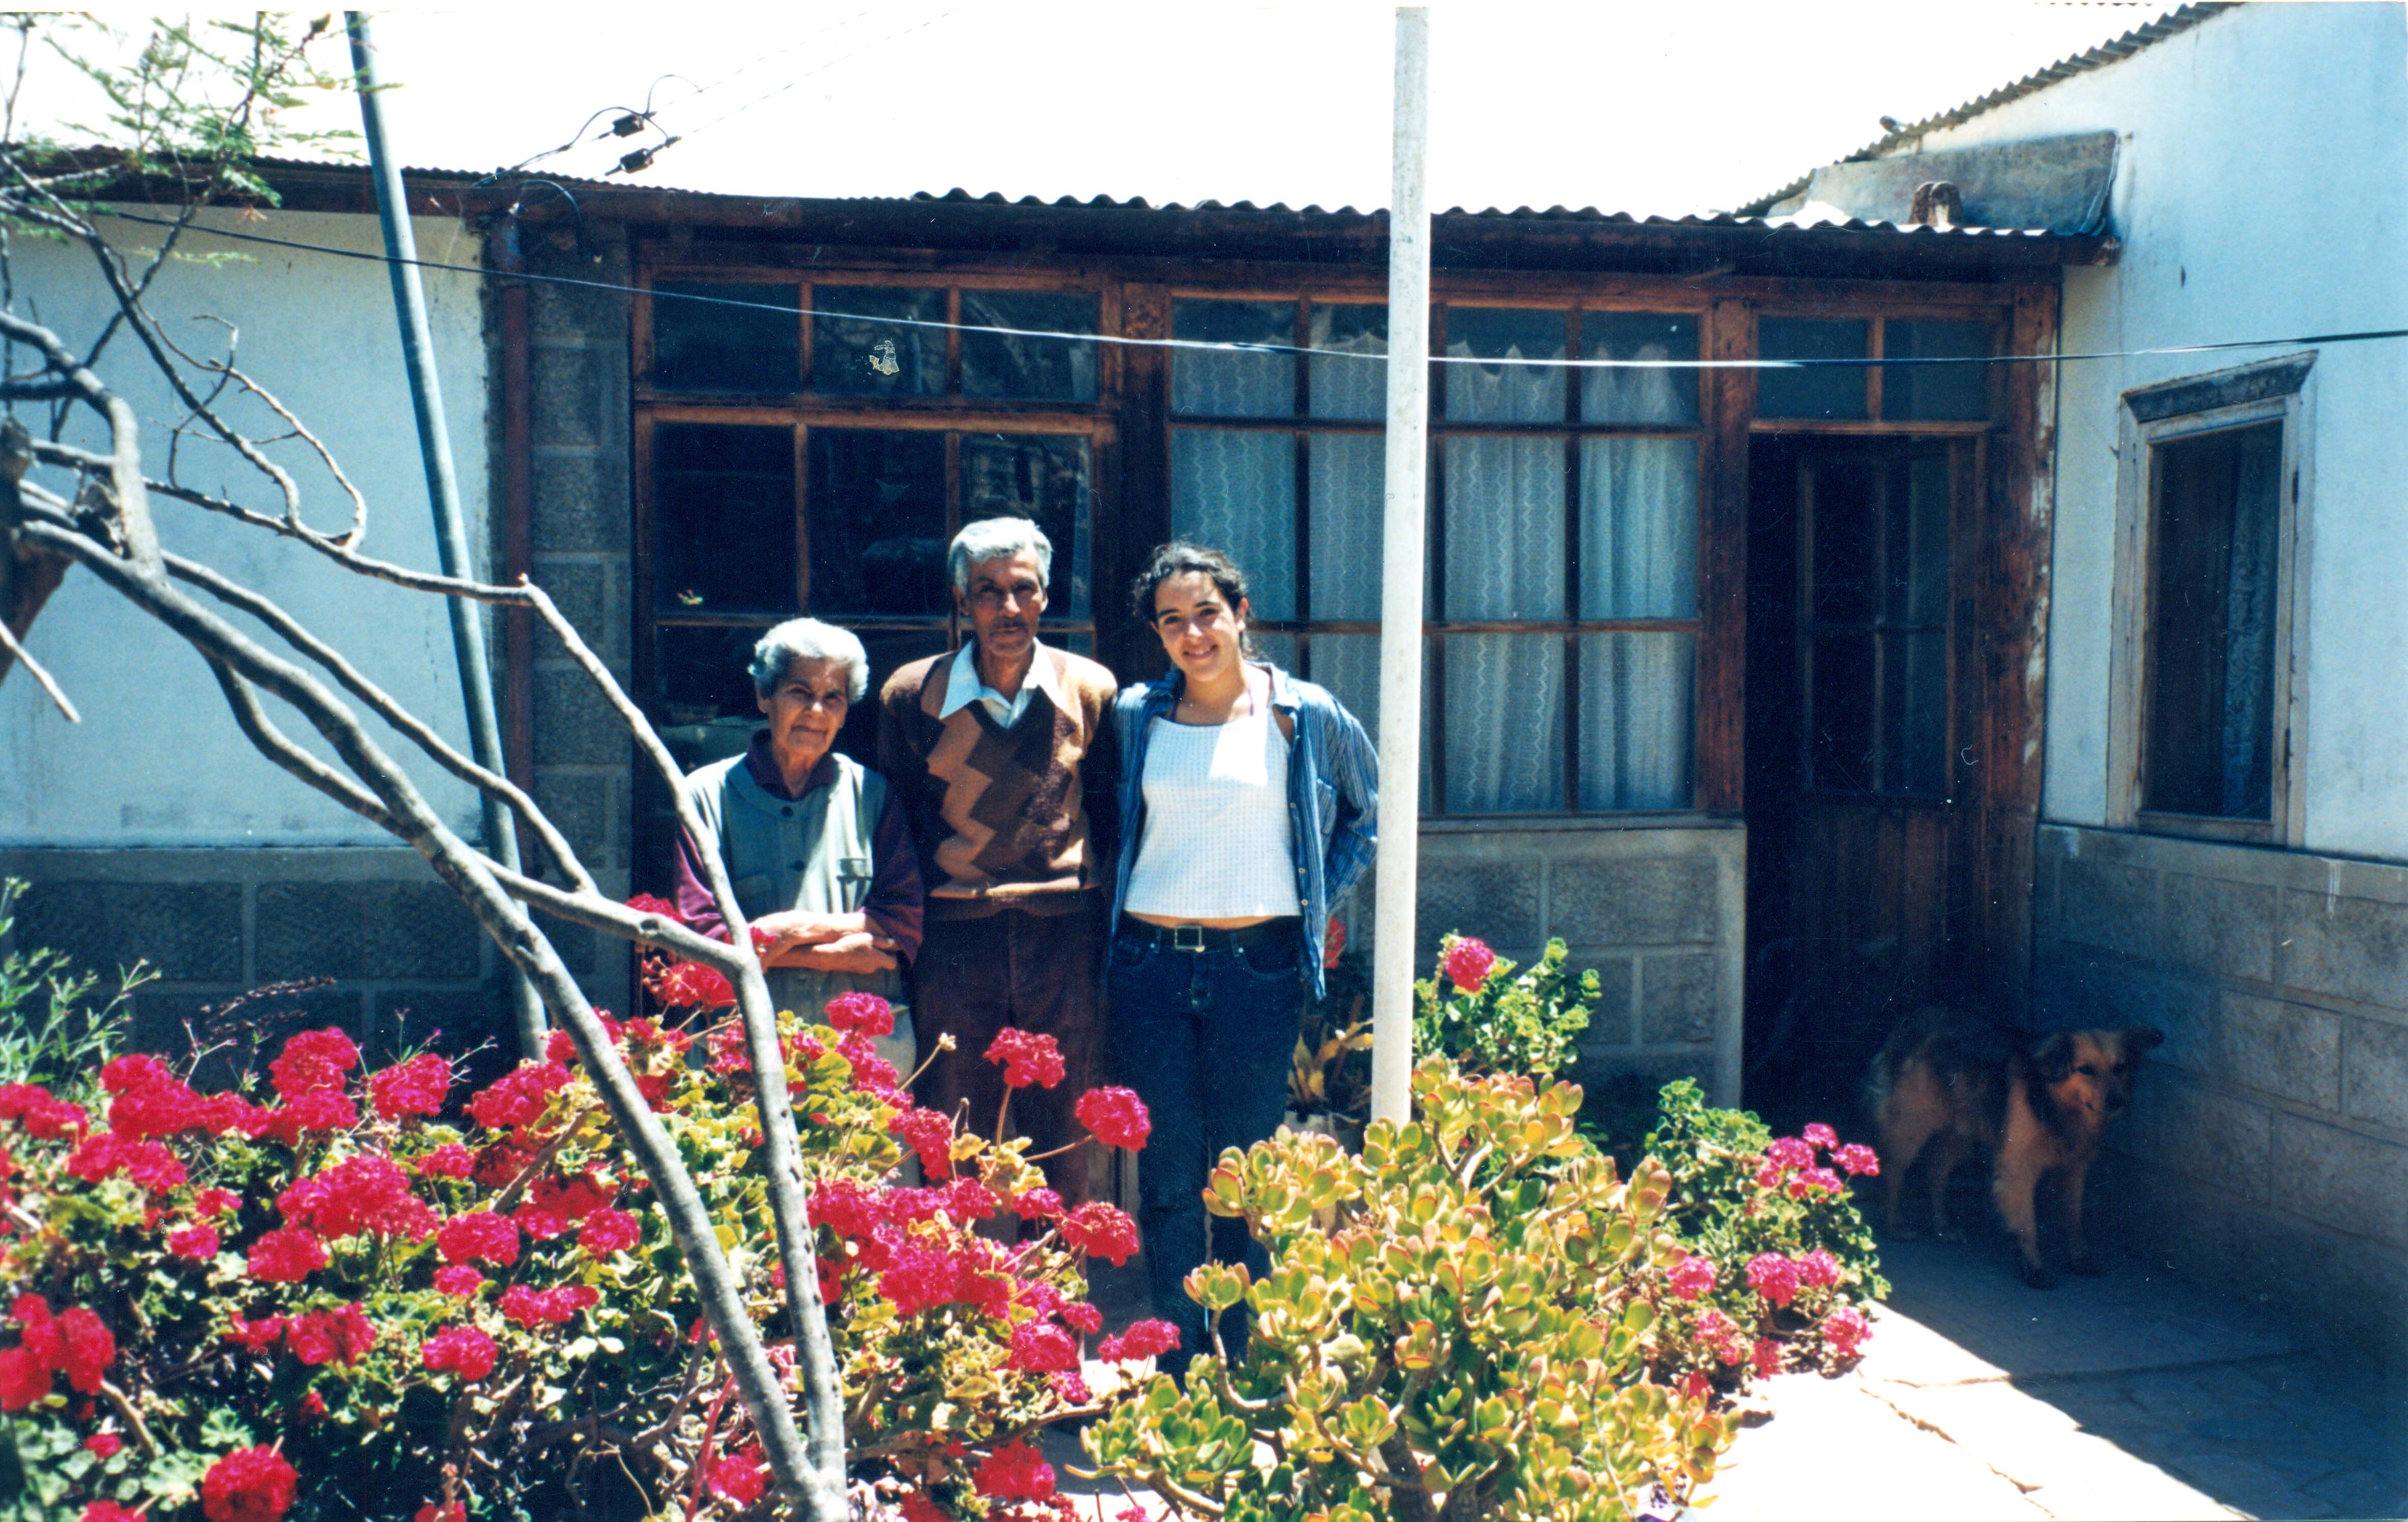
x: 1248, y: 801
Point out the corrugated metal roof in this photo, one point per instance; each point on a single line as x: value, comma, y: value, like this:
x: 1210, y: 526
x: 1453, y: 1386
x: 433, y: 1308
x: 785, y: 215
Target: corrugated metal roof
x: 1553, y: 213
x: 2172, y: 23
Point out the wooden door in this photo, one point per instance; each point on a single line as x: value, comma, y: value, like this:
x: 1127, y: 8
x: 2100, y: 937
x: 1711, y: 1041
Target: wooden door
x: 1868, y: 806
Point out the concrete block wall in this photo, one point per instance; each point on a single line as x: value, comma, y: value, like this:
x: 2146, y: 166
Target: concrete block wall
x: 408, y: 957
x: 582, y: 527
x: 1658, y: 911
x: 2268, y: 1148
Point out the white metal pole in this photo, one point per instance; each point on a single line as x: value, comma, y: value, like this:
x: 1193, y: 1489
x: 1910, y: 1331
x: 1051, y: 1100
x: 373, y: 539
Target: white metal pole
x: 1400, y: 595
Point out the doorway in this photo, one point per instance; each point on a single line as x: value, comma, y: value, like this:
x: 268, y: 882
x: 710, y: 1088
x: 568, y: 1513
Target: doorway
x: 1862, y: 717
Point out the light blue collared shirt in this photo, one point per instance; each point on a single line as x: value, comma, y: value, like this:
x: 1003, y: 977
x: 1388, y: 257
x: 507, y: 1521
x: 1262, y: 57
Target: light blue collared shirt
x: 965, y: 687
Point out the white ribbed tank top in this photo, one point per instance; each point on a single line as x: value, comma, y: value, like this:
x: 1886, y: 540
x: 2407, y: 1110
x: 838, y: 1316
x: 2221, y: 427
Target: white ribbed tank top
x: 1216, y: 842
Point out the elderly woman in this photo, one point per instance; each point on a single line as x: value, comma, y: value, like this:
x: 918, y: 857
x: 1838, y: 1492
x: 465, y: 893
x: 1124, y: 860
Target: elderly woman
x: 817, y: 847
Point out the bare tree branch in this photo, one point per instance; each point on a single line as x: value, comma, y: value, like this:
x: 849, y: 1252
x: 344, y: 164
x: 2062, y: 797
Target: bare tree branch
x: 279, y: 747
x: 40, y: 673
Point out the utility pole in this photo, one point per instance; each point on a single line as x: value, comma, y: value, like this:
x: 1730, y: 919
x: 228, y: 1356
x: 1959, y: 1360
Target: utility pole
x: 442, y: 491
x: 1401, y: 593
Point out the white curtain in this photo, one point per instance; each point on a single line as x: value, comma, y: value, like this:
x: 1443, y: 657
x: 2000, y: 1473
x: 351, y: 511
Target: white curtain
x: 1639, y: 528
x: 1349, y: 666
x: 1346, y: 476
x: 1504, y: 722
x: 1504, y: 528
x: 1635, y: 395
x: 1354, y: 389
x: 1209, y: 383
x: 1236, y: 492
x: 2247, y: 740
x: 1504, y: 393
x: 1637, y: 720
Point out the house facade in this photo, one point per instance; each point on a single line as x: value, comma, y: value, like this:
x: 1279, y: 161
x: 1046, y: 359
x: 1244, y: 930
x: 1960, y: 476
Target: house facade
x: 2225, y: 800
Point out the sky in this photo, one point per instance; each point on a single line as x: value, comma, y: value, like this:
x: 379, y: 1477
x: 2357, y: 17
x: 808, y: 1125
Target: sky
x: 1644, y: 108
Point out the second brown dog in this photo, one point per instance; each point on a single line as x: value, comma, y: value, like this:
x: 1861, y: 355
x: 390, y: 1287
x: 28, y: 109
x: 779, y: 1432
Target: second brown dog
x: 1946, y: 1080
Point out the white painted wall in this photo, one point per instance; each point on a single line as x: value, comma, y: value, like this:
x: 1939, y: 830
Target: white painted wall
x: 2262, y: 191
x: 157, y: 761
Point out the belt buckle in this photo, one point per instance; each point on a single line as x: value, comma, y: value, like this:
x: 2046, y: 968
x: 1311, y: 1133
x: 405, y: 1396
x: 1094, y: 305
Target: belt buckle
x: 1187, y: 937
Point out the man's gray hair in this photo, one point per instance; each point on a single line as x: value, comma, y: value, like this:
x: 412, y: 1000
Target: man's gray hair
x: 808, y: 640
x: 996, y: 538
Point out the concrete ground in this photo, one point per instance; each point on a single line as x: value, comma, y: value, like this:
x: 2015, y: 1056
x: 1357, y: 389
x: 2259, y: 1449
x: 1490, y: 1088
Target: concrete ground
x: 2135, y: 1395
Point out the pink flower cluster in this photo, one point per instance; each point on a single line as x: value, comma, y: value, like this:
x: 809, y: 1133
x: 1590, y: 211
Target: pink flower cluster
x: 340, y: 1335
x: 1467, y: 963
x: 1027, y: 1057
x: 479, y: 1237
x: 1143, y: 1340
x: 30, y: 1105
x: 1789, y: 1162
x: 250, y: 1485
x: 1116, y: 1116
x: 362, y: 1195
x: 532, y: 1308
x: 74, y: 1342
x: 517, y: 1099
x: 865, y: 1013
x: 461, y: 1350
x: 416, y: 1087
x: 1693, y: 1276
x: 1779, y: 1279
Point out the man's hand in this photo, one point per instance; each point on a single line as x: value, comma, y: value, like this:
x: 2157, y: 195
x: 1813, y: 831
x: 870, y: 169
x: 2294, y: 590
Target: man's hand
x: 797, y: 929
x: 855, y: 951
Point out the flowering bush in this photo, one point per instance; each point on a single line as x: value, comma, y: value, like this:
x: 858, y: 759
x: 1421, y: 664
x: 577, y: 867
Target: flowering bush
x: 1455, y: 1323
x: 360, y: 1290
x: 1488, y: 1020
x: 1780, y: 1264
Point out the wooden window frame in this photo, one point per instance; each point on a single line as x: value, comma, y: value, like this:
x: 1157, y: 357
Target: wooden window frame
x: 2272, y: 391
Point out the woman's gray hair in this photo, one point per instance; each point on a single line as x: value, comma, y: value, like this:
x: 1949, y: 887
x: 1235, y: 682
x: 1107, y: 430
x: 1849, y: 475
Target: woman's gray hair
x: 808, y: 640
x: 995, y: 539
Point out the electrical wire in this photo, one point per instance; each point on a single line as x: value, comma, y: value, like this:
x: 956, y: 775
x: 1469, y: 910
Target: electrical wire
x: 2365, y: 335
x: 867, y: 47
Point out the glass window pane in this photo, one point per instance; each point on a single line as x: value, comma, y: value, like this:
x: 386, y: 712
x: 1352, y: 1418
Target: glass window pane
x: 1841, y: 747
x: 1351, y: 388
x: 724, y: 517
x: 1345, y: 476
x: 1206, y: 384
x: 2211, y: 672
x: 1504, y: 393
x: 889, y: 652
x: 1848, y: 492
x: 707, y: 710
x: 1914, y: 697
x: 1236, y: 492
x: 1637, y: 721
x: 1948, y: 392
x: 1039, y: 369
x: 878, y: 522
x: 709, y: 345
x: 1821, y: 391
x: 1618, y: 396
x: 1042, y: 477
x: 1278, y: 648
x: 1639, y: 528
x: 1504, y: 722
x: 855, y: 354
x: 1504, y: 528
x: 1348, y: 664
x: 1918, y: 553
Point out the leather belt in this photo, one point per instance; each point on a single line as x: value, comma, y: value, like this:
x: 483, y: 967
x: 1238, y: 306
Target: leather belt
x: 1204, y: 938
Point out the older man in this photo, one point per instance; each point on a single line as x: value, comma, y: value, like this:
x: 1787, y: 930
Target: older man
x: 1004, y: 752
x: 817, y: 846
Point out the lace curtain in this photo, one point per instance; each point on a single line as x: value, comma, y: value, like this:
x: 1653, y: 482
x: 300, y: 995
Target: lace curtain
x: 1236, y: 492
x: 1208, y: 384
x: 1504, y: 560
x: 1346, y: 477
x: 2246, y: 741
x: 1504, y: 393
x: 1639, y: 528
x: 1638, y: 720
x: 1354, y: 389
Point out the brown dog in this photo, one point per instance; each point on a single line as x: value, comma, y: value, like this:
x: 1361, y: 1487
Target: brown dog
x: 1946, y: 1079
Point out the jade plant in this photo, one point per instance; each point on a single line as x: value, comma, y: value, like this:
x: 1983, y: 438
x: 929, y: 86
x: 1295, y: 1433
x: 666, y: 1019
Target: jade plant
x: 1454, y: 1324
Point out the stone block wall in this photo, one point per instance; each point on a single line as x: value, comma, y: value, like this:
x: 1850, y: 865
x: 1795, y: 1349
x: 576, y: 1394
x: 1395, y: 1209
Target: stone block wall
x: 1659, y: 913
x: 582, y: 527
x: 407, y: 956
x: 2268, y: 1148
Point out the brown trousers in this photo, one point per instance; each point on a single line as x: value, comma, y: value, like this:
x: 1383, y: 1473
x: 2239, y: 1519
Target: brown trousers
x: 1039, y: 973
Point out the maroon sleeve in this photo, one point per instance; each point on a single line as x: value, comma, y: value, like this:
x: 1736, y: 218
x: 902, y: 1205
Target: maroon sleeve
x: 895, y: 907
x: 694, y: 904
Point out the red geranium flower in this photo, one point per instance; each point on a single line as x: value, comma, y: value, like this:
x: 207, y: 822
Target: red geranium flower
x: 1143, y: 1340
x: 1038, y: 1205
x: 1026, y: 1058
x: 1117, y: 1116
x: 1846, y: 1331
x: 692, y: 985
x: 930, y: 1135
x: 286, y: 1257
x: 518, y: 1097
x: 215, y: 1202
x: 313, y: 1062
x: 416, y: 1087
x: 646, y: 903
x: 103, y: 1444
x: 1773, y: 1276
x: 463, y: 1350
x: 1015, y: 1472
x: 449, y: 1161
x: 739, y: 1477
x: 1693, y: 1276
x: 1855, y: 1158
x: 1333, y: 942
x: 479, y: 1237
x: 1820, y: 1135
x: 250, y: 1485
x: 1467, y: 963
x: 1101, y: 1230
x: 609, y: 1230
x: 458, y: 1280
x: 196, y: 1242
x: 107, y: 1510
x: 23, y: 1378
x: 865, y: 1013
x: 258, y: 1336
x: 1040, y: 1348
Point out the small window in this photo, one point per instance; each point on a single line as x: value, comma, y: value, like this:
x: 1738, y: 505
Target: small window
x: 1509, y: 390
x: 878, y: 522
x: 2201, y: 729
x: 1015, y: 368
x: 1613, y: 395
x: 1226, y: 383
x: 1815, y: 391
x: 724, y: 518
x: 725, y: 336
x: 2209, y: 749
x: 1348, y: 380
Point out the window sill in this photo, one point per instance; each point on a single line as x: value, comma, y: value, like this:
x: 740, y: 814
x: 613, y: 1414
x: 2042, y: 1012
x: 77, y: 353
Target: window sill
x: 2205, y: 827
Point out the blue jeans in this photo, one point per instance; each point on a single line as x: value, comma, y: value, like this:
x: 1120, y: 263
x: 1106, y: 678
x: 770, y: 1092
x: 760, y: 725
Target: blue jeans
x: 1205, y: 1039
